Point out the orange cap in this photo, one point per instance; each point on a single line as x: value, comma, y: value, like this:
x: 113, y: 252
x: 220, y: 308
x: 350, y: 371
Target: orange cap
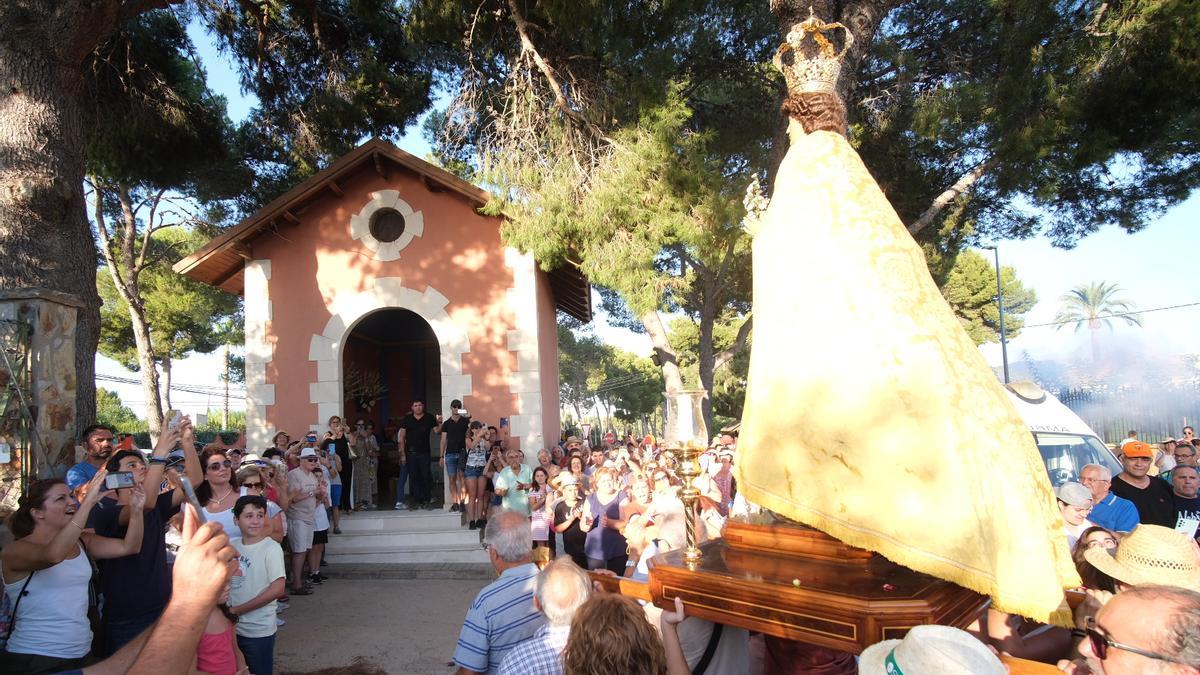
x: 1138, y: 449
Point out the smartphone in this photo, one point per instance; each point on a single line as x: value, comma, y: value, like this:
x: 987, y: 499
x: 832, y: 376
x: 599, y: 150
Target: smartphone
x: 118, y: 479
x: 503, y: 421
x: 463, y: 413
x: 174, y: 418
x: 191, y: 497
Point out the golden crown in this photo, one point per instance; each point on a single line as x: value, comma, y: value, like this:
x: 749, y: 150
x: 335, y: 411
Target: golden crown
x: 817, y: 72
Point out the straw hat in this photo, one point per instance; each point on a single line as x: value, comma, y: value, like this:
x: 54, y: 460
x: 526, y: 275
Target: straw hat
x: 930, y: 650
x: 1152, y: 554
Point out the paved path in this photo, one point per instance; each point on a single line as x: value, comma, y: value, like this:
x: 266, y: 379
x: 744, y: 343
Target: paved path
x: 403, y: 626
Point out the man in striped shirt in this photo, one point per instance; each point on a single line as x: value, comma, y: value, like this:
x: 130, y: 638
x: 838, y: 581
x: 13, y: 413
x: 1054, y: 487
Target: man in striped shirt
x: 561, y: 588
x: 503, y: 613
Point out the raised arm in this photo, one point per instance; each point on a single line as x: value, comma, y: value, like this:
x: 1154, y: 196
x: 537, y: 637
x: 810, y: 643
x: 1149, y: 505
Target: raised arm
x: 167, y: 440
x: 25, y: 557
x: 202, y: 569
x: 107, y: 547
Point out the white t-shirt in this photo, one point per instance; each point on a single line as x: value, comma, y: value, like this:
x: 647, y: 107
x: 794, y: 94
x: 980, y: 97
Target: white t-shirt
x: 259, y: 564
x: 1074, y: 531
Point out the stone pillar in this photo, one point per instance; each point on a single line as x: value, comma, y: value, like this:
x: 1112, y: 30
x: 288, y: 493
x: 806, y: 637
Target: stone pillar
x: 37, y: 386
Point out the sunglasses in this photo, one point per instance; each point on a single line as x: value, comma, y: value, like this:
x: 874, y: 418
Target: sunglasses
x: 310, y: 459
x: 1101, y: 643
x: 215, y: 466
x: 253, y: 485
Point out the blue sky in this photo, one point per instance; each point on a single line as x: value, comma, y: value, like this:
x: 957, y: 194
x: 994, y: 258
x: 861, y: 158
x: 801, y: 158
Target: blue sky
x: 1151, y: 266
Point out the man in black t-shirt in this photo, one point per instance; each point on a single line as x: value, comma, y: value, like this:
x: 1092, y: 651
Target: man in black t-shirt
x: 415, y: 430
x: 1152, y: 497
x: 454, y: 441
x: 136, y: 588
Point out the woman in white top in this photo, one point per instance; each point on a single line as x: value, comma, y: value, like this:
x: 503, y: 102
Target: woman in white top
x: 46, y: 571
x: 218, y: 492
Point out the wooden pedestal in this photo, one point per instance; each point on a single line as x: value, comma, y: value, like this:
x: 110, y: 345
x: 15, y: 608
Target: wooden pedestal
x: 797, y: 583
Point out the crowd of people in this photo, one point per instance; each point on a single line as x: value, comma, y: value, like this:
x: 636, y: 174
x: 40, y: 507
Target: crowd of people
x: 88, y: 579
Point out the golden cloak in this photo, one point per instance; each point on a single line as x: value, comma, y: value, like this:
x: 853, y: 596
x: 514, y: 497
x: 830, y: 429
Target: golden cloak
x: 870, y: 413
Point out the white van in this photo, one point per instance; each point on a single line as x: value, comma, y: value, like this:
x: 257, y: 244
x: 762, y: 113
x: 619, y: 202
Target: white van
x: 1065, y: 442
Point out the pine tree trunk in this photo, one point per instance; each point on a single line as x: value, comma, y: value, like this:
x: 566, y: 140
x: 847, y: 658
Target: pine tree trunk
x: 668, y: 361
x: 146, y: 362
x: 707, y: 357
x: 166, y: 379
x: 44, y: 233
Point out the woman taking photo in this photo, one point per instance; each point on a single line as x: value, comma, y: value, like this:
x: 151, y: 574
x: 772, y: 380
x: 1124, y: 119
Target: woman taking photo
x: 606, y: 547
x: 567, y: 515
x: 46, y: 573
x: 477, y: 454
x: 217, y: 493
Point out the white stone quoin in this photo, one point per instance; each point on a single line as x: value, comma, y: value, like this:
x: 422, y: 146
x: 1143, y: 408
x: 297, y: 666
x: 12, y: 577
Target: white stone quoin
x: 346, y: 310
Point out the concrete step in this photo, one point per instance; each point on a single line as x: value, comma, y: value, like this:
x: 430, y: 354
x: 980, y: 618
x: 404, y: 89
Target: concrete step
x: 393, y: 557
x: 404, y: 540
x: 411, y: 570
x: 363, y: 522
x: 401, y: 539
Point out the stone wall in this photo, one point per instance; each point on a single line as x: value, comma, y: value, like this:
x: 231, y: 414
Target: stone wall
x: 37, y: 378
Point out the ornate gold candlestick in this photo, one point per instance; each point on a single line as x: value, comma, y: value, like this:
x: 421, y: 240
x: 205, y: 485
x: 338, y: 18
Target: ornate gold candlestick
x: 686, y: 433
x: 689, y: 494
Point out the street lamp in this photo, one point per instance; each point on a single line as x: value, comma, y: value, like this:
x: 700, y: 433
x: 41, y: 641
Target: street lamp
x: 1000, y: 302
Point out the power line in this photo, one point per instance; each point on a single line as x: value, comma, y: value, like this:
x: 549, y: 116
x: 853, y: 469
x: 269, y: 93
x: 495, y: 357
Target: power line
x: 203, y: 390
x: 1112, y: 316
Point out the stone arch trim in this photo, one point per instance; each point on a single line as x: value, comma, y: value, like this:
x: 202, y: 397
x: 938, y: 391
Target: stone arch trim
x: 346, y: 310
x: 360, y: 225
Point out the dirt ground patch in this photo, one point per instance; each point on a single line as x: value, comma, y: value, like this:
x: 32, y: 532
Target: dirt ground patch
x: 370, y: 626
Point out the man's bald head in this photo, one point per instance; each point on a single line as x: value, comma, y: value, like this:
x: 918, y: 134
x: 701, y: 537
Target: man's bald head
x: 561, y: 588
x: 1164, y: 620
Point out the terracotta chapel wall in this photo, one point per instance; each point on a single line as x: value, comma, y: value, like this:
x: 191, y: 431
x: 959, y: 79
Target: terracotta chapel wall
x: 317, y: 269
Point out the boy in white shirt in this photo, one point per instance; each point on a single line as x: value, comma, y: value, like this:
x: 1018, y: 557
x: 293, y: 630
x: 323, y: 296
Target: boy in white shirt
x: 256, y: 585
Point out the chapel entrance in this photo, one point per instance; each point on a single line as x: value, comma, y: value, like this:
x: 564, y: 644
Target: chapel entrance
x: 391, y: 358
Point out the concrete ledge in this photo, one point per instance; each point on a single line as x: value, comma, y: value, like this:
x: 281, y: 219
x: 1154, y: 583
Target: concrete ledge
x: 448, y: 570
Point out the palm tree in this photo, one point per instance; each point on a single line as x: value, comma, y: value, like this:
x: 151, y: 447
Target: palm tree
x: 1095, y: 305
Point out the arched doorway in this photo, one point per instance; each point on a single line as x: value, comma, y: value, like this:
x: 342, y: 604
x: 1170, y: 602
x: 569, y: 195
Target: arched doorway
x: 390, y: 358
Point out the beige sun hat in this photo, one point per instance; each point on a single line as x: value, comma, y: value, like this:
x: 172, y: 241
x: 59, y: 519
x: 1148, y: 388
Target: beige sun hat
x: 930, y: 650
x: 1151, y: 554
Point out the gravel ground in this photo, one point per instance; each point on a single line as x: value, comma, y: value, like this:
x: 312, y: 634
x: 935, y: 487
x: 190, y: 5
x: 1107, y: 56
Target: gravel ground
x: 407, y: 626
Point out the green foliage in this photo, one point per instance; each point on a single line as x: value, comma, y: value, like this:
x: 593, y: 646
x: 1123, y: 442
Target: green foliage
x: 658, y: 200
x: 728, y: 393
x: 153, y: 119
x: 1082, y: 113
x: 110, y: 411
x: 970, y: 289
x: 326, y: 73
x: 185, y: 316
x: 212, y: 421
x: 1094, y: 305
x: 594, y: 373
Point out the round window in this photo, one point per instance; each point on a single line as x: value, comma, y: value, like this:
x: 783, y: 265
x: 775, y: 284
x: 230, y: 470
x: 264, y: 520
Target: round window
x: 387, y: 225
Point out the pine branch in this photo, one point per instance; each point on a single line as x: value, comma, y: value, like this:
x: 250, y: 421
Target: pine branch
x: 724, y: 356
x: 961, y: 186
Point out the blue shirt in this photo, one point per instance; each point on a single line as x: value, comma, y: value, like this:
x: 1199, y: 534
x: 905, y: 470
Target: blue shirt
x: 80, y: 474
x: 1115, y: 513
x: 540, y: 654
x: 501, y: 616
